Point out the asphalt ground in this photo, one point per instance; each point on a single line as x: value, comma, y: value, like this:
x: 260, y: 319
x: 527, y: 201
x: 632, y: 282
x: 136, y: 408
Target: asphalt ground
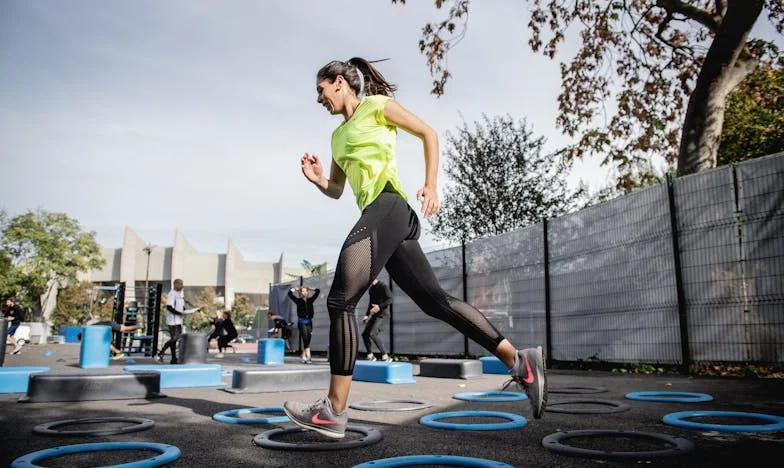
x: 184, y: 418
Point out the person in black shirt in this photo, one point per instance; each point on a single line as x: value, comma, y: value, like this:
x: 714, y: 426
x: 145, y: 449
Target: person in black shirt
x: 380, y: 299
x: 230, y: 332
x: 15, y: 315
x: 304, y: 318
x: 280, y: 329
x: 216, y: 328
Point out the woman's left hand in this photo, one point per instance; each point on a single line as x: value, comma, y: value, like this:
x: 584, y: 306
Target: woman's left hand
x: 428, y: 196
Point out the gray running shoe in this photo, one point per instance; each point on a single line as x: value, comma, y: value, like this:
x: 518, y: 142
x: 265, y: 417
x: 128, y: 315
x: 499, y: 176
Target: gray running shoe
x: 529, y: 372
x: 318, y: 417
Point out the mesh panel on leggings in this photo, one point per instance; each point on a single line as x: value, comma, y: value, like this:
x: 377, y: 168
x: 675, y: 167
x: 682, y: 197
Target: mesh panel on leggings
x: 356, y: 268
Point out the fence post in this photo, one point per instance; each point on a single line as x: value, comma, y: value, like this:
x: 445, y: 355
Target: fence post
x: 391, y: 315
x: 465, y: 289
x: 676, y: 252
x: 547, y: 317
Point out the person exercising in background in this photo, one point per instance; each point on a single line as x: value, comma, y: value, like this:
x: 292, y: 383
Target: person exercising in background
x: 378, y: 305
x: 175, y: 308
x: 304, y: 318
x: 229, y: 333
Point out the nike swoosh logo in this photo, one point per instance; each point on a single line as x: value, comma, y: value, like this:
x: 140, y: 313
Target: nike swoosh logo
x: 529, y: 379
x: 316, y: 420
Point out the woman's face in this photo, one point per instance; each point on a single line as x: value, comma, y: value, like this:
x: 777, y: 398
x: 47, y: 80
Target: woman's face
x: 329, y: 95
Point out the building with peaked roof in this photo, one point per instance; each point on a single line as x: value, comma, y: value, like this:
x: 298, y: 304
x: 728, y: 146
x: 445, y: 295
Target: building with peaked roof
x: 137, y: 263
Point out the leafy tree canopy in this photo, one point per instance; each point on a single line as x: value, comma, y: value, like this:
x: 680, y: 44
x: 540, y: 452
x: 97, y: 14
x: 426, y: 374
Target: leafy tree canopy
x: 80, y: 303
x: 499, y: 181
x: 41, y: 250
x: 242, y: 311
x: 754, y: 121
x: 666, y: 65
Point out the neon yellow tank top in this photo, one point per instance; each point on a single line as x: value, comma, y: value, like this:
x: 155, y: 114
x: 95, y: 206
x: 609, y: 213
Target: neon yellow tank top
x: 364, y: 148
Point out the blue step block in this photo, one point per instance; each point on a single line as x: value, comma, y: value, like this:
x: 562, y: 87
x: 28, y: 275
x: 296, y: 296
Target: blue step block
x: 183, y: 375
x: 384, y: 372
x: 15, y: 379
x: 95, y: 351
x: 271, y: 351
x: 493, y: 365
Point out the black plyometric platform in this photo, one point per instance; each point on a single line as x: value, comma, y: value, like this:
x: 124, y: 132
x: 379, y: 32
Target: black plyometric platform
x: 279, y: 378
x: 451, y: 368
x: 92, y: 386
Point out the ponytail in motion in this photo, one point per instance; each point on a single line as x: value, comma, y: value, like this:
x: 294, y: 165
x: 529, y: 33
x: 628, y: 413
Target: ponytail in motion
x: 361, y: 76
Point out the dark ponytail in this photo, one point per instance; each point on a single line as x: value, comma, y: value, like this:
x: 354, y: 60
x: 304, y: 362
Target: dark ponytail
x: 374, y: 81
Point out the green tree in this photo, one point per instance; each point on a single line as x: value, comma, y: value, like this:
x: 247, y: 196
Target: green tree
x: 499, y: 181
x: 314, y: 269
x: 207, y: 303
x: 754, y: 120
x: 46, y: 250
x: 669, y: 63
x: 78, y: 304
x: 242, y: 311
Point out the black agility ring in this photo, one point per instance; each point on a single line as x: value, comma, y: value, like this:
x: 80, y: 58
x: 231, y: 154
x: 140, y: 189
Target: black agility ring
x: 368, y: 405
x: 140, y: 424
x: 577, y: 390
x: 674, y: 397
x: 371, y: 436
x: 611, y: 407
x: 167, y: 454
x: 451, y: 460
x: 553, y: 442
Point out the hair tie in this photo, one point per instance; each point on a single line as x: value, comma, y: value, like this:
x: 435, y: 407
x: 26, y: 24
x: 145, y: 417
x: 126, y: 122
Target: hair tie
x: 361, y: 83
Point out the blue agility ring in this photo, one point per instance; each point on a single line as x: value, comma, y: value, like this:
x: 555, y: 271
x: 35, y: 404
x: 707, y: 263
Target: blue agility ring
x: 491, y: 396
x: 230, y: 416
x: 677, y: 419
x: 168, y: 453
x: 515, y: 421
x: 449, y: 460
x: 673, y: 397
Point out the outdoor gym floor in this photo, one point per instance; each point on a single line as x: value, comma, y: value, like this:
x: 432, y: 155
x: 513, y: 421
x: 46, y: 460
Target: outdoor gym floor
x: 184, y: 419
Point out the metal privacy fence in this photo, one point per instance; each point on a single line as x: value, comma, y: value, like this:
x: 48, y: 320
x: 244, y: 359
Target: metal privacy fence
x: 690, y: 271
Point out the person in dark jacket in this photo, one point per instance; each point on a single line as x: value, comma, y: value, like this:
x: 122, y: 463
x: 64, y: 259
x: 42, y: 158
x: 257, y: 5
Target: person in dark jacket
x: 304, y: 317
x: 229, y: 333
x: 378, y: 305
x: 15, y: 316
x: 216, y: 327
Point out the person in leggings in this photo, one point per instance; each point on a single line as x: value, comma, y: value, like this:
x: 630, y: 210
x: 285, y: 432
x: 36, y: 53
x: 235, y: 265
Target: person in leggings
x: 304, y: 318
x: 386, y: 235
x: 378, y: 305
x: 229, y: 333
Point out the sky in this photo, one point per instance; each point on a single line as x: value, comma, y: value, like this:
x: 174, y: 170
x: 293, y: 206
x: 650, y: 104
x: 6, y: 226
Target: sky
x: 192, y: 115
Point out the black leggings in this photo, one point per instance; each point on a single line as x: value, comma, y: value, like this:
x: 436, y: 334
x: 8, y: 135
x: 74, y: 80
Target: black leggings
x: 223, y: 341
x: 372, y: 329
x: 387, y: 234
x: 175, y: 331
x: 305, y: 332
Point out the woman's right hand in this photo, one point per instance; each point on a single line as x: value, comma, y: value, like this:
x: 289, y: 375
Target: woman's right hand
x: 311, y: 168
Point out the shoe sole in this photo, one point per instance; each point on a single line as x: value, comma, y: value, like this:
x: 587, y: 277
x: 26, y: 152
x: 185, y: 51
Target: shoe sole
x: 541, y: 381
x: 307, y: 427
